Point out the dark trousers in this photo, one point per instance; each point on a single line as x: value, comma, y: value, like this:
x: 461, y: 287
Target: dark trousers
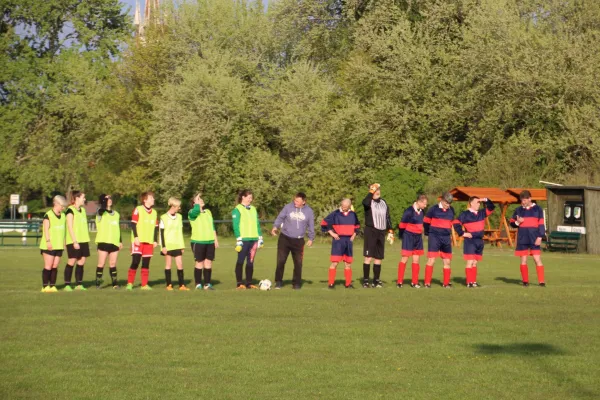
x: 285, y: 245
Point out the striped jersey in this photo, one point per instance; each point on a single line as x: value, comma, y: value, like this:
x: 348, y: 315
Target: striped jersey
x: 438, y: 221
x: 377, y: 213
x: 342, y: 223
x: 473, y: 221
x: 533, y: 225
x: 412, y: 221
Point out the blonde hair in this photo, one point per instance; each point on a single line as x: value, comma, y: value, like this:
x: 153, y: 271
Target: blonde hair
x: 174, y: 202
x: 58, y: 199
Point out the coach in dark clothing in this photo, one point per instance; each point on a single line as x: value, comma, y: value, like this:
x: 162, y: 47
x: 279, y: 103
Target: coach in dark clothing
x: 377, y: 223
x: 294, y: 220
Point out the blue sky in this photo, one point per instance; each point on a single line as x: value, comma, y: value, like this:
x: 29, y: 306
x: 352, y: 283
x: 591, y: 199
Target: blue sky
x: 131, y: 4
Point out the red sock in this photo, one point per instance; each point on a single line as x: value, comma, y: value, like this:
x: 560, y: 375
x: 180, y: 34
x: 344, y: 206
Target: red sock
x: 428, y: 274
x: 474, y: 273
x: 131, y: 276
x: 415, y: 273
x: 144, y: 273
x: 348, y: 275
x: 401, y: 270
x: 331, y: 276
x: 468, y: 275
x: 540, y: 273
x: 524, y: 273
x: 446, y: 276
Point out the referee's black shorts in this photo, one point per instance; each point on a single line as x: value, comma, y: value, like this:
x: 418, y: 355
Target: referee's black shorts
x: 374, y: 243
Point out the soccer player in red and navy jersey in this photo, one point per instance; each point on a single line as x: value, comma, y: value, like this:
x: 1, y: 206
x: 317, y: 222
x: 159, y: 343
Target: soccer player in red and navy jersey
x: 471, y: 225
x: 529, y: 218
x: 411, y: 230
x: 437, y: 226
x: 342, y: 225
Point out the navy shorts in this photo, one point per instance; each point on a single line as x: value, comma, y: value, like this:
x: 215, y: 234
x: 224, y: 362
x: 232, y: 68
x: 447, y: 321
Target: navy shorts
x: 473, y: 249
x: 341, y: 250
x: 439, y: 246
x: 412, y: 244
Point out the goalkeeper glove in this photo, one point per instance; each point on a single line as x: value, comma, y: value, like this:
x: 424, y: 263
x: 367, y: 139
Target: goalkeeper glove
x: 374, y: 187
x: 390, y: 237
x: 261, y: 242
x: 238, y: 244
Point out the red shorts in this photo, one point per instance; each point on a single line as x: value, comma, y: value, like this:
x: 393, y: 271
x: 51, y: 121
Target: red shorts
x: 145, y: 249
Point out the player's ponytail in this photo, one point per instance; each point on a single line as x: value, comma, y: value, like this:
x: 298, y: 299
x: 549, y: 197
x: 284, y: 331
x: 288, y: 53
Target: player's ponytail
x: 74, y: 195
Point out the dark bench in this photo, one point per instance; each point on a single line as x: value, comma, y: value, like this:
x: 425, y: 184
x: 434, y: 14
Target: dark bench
x: 563, y: 241
x: 17, y: 233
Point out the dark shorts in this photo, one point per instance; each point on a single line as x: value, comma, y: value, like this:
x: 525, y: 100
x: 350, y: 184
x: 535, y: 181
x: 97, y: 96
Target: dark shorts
x: 203, y: 251
x: 53, y: 253
x: 412, y: 244
x: 374, y: 244
x: 527, y: 250
x: 473, y: 249
x: 108, y: 247
x: 439, y: 246
x: 173, y: 253
x: 84, y: 250
x: 341, y: 250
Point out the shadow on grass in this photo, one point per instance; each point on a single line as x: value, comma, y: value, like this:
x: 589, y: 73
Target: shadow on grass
x: 508, y: 280
x: 460, y: 281
x: 535, y: 349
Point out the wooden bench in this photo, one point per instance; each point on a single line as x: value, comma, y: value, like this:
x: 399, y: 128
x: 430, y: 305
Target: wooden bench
x: 563, y: 241
x: 18, y: 232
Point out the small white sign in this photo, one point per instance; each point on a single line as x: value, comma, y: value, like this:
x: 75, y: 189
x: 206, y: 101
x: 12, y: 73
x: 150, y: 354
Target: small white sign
x: 579, y: 229
x: 562, y: 228
x: 15, y: 199
x: 22, y: 209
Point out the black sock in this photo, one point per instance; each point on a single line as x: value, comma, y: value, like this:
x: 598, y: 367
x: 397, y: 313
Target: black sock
x: 46, y: 277
x: 168, y: 276
x: 53, y: 274
x: 198, y: 276
x: 99, y: 272
x: 68, y: 274
x: 207, y: 275
x: 238, y: 273
x: 113, y: 275
x: 249, y: 273
x: 180, y: 277
x: 366, y: 270
x: 376, y: 271
x: 79, y: 274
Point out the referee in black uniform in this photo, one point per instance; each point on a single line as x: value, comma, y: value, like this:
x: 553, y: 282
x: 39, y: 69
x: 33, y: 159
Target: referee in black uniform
x: 377, y: 223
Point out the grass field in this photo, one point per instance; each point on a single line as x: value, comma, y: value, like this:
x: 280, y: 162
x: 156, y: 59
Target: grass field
x: 500, y: 341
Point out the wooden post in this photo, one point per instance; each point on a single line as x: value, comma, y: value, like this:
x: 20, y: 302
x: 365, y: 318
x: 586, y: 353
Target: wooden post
x: 505, y: 224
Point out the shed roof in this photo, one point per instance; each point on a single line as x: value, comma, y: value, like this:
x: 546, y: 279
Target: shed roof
x: 536, y: 194
x: 576, y: 187
x: 462, y: 193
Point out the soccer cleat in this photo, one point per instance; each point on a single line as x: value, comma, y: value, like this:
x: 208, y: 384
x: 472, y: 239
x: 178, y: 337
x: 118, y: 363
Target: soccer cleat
x: 241, y: 287
x: 278, y: 285
x: 349, y: 286
x: 199, y: 286
x: 415, y: 286
x: 45, y: 289
x: 98, y: 287
x: 377, y: 283
x: 542, y: 284
x: 116, y: 287
x: 183, y: 288
x: 448, y: 286
x: 209, y: 286
x: 67, y: 288
x: 332, y: 286
x: 525, y: 284
x: 296, y: 287
x: 427, y: 286
x: 129, y: 286
x: 365, y: 284
x: 474, y: 284
x: 170, y: 288
x: 469, y: 285
x: 399, y: 285
x: 80, y: 287
x: 251, y: 286
x: 52, y: 289
x: 146, y: 287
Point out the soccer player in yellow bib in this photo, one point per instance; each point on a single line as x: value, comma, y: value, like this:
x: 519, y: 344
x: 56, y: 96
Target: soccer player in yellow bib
x: 108, y: 239
x: 171, y: 240
x: 204, y: 242
x: 78, y: 240
x: 53, y: 242
x: 246, y: 228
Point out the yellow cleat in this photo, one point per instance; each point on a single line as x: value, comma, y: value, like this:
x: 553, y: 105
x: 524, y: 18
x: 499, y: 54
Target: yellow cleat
x: 183, y: 288
x: 51, y: 289
x: 241, y: 287
x: 44, y: 289
x: 170, y: 288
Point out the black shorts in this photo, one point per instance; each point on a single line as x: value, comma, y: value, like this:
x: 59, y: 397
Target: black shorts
x: 173, y: 253
x: 374, y: 244
x: 84, y: 250
x: 53, y: 253
x: 203, y: 251
x: 108, y: 247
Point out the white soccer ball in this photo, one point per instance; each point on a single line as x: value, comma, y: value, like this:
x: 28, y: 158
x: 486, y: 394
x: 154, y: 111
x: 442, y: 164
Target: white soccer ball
x: 265, y: 284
